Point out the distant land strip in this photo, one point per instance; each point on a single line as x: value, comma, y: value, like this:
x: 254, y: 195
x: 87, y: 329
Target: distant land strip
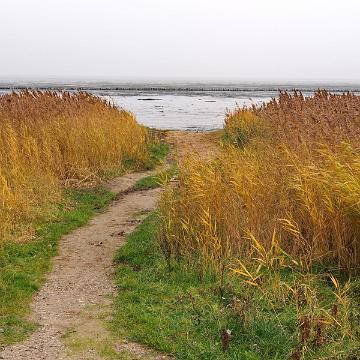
x: 174, y: 89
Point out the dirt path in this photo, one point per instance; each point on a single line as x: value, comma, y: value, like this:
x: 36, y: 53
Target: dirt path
x: 72, y: 304
x: 205, y: 144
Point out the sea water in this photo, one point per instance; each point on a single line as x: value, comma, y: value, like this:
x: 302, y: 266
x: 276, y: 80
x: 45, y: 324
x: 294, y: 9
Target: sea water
x: 186, y: 105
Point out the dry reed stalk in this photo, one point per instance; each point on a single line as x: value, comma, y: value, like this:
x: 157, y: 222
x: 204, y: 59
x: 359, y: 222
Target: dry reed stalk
x: 53, y: 139
x: 294, y: 171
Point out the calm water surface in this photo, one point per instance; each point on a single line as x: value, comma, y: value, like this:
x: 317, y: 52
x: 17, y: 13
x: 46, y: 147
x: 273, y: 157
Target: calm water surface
x: 180, y: 111
x: 192, y: 106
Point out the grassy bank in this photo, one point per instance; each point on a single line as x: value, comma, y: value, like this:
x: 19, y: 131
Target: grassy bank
x: 24, y: 264
x: 291, y: 316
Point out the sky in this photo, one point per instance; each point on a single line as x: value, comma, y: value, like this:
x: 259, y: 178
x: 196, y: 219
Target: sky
x: 253, y: 40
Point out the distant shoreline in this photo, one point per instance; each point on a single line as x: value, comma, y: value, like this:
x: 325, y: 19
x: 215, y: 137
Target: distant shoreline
x: 179, y: 88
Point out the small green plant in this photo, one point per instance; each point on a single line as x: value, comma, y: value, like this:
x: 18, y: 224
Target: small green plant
x: 154, y: 181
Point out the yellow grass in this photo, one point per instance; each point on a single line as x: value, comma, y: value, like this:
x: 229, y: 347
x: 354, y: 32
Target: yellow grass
x: 290, y: 176
x: 51, y: 140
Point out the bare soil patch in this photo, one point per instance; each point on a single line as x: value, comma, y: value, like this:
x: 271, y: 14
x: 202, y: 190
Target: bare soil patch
x: 205, y: 144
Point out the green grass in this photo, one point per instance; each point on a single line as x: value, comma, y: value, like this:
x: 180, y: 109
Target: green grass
x: 155, y: 181
x: 147, y: 182
x: 159, y: 151
x: 23, y: 265
x: 174, y: 312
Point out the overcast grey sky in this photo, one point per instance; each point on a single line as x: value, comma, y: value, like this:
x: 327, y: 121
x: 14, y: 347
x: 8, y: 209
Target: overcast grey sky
x: 229, y: 39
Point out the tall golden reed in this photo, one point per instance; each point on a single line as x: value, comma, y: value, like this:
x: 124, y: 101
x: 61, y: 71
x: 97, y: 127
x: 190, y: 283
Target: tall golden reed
x: 290, y: 177
x: 53, y: 139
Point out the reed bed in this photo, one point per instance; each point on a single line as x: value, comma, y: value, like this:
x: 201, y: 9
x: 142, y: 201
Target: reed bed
x: 288, y: 178
x: 53, y: 140
x: 274, y: 221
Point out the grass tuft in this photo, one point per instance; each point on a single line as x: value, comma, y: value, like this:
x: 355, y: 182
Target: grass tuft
x: 154, y: 181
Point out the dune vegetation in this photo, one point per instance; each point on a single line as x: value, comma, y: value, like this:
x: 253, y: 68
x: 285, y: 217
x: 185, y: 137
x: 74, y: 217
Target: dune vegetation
x: 52, y: 140
x: 260, y: 243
